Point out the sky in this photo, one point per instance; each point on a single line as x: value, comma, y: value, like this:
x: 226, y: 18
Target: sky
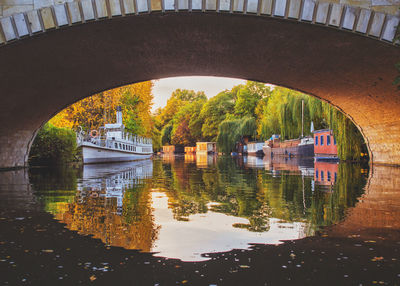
x: 211, y: 86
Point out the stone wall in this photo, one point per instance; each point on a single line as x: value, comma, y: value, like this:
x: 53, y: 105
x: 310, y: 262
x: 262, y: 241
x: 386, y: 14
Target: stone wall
x: 40, y: 75
x: 9, y: 7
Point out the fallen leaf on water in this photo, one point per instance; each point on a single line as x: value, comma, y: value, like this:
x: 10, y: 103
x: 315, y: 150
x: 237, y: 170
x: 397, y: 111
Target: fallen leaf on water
x: 184, y: 281
x: 370, y: 241
x: 92, y: 278
x: 244, y: 266
x: 377, y: 258
x: 48, y: 250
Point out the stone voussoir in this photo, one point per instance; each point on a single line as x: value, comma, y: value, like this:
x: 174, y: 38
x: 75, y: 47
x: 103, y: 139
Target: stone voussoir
x: 364, y: 21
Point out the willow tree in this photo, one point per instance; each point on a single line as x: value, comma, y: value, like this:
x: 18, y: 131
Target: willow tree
x: 232, y: 131
x: 214, y: 112
x: 349, y: 140
x: 228, y: 135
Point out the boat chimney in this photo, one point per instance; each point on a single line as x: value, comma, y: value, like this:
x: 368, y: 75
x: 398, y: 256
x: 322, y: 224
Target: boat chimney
x: 119, y: 114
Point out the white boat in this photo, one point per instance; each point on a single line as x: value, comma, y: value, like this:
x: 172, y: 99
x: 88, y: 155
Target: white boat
x: 112, y: 144
x: 255, y: 148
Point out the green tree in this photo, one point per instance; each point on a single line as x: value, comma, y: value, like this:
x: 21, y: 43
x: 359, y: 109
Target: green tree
x: 166, y: 134
x: 53, y: 146
x: 188, y: 95
x: 214, y: 112
x: 187, y: 124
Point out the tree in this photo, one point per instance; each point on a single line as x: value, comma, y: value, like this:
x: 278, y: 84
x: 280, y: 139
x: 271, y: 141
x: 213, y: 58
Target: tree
x: 188, y: 95
x: 214, y: 112
x: 166, y: 134
x: 187, y: 124
x: 95, y: 111
x: 53, y: 146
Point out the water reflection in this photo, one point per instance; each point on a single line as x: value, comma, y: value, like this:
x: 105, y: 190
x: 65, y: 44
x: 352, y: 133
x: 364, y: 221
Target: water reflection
x: 185, y: 206
x: 353, y: 226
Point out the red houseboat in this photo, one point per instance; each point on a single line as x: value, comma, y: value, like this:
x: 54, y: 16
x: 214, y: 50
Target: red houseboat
x: 325, y: 147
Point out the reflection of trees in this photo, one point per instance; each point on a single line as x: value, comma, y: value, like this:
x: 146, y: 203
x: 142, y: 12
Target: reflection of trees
x: 257, y: 195
x: 328, y: 208
x: 55, y: 187
x: 92, y: 213
x: 134, y: 229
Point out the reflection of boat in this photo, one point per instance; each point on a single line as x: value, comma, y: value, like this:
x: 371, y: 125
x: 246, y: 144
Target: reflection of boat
x: 293, y: 164
x: 253, y: 161
x: 326, y: 173
x: 115, y: 145
x: 190, y: 158
x: 112, y: 205
x: 111, y: 181
x: 204, y: 160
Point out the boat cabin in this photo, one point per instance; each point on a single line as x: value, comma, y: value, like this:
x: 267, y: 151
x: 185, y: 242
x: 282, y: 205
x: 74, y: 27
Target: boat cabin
x: 255, y: 148
x: 115, y: 130
x: 190, y: 150
x: 206, y: 147
x: 325, y: 147
x: 172, y: 149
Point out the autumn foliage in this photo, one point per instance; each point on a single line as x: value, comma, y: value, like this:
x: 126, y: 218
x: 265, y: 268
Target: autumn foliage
x: 92, y: 112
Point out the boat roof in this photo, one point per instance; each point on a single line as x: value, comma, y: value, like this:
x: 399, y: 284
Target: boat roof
x: 113, y: 125
x: 321, y: 130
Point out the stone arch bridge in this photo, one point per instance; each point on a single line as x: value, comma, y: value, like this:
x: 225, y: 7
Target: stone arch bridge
x: 54, y: 54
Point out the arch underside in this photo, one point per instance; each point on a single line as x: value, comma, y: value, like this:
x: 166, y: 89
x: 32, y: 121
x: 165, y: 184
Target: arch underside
x: 41, y: 75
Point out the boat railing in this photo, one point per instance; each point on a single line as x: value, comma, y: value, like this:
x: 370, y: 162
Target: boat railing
x: 101, y: 139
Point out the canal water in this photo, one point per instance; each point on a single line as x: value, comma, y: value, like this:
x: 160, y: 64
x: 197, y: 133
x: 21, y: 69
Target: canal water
x: 201, y: 220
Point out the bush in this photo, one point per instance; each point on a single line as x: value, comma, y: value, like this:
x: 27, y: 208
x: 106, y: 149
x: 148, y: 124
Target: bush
x: 53, y: 146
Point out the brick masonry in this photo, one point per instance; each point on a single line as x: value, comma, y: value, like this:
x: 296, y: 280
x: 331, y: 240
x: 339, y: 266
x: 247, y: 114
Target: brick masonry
x: 40, y: 75
x: 9, y: 7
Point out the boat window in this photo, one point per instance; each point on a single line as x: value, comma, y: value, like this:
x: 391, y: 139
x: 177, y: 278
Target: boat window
x: 116, y: 145
x: 335, y: 176
x: 328, y: 139
x: 120, y: 147
x: 316, y: 174
x: 322, y: 175
x: 329, y: 176
x: 334, y: 140
x: 322, y: 140
x: 316, y: 140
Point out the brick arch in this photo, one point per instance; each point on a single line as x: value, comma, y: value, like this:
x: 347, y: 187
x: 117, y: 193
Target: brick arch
x: 363, y: 21
x: 42, y: 74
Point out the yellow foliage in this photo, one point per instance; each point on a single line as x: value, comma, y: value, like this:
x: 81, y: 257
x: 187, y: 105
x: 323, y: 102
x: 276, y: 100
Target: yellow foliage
x: 95, y: 111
